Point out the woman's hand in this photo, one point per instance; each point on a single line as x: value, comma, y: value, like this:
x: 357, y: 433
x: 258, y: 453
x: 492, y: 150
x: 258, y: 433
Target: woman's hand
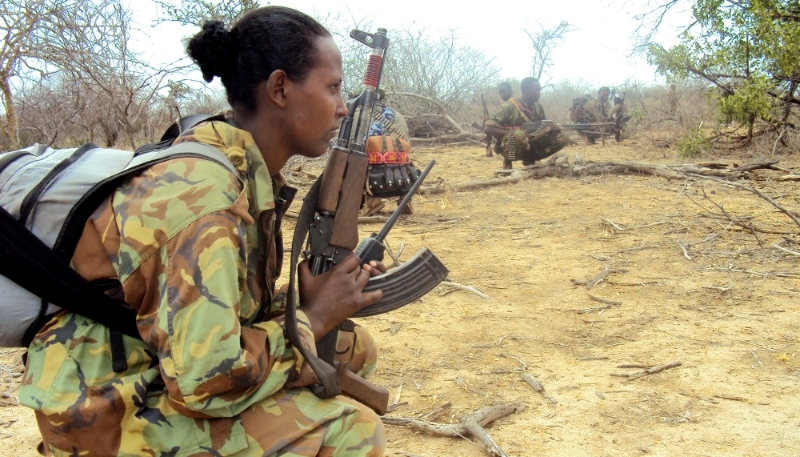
x: 375, y: 268
x: 332, y: 297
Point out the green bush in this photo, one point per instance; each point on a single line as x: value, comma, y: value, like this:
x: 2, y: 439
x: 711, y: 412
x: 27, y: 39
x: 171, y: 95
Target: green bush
x: 692, y: 144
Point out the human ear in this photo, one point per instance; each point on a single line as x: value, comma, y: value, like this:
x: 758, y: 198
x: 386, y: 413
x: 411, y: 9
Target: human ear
x: 276, y: 88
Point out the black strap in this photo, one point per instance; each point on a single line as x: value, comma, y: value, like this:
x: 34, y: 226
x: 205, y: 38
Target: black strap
x: 326, y: 374
x: 119, y: 362
x: 27, y: 261
x: 30, y: 200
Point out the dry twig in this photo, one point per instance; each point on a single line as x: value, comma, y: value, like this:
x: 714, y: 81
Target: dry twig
x: 469, y: 425
x: 649, y: 371
x: 537, y: 386
x: 457, y: 286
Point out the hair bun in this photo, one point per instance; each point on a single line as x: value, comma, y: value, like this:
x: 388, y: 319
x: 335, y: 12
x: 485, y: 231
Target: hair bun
x: 211, y: 49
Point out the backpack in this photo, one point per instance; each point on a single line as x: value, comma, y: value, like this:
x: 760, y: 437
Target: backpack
x: 46, y: 197
x: 577, y: 113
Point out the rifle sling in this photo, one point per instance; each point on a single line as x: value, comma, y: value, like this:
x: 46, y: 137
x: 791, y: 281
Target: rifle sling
x: 329, y: 380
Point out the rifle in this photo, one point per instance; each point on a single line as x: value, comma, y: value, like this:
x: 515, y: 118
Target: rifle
x: 488, y: 138
x: 540, y: 128
x: 327, y: 226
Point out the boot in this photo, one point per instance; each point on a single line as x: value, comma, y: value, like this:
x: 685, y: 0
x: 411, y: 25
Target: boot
x: 506, y: 164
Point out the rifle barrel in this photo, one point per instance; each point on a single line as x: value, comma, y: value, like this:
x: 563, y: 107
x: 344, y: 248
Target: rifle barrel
x: 403, y: 203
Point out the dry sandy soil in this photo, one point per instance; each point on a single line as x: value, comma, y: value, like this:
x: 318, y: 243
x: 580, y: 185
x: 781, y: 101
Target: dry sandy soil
x: 727, y: 310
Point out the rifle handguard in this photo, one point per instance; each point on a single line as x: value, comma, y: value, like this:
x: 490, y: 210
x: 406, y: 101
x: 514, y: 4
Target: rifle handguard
x: 406, y: 283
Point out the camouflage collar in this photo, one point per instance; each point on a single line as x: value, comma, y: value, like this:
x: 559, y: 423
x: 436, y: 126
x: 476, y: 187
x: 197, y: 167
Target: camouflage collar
x: 238, y: 145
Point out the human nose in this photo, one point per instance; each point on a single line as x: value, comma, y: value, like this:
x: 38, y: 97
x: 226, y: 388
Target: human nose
x: 341, y: 107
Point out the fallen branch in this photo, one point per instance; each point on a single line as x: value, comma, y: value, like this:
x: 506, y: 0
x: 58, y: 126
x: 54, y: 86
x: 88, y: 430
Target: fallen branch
x: 605, y: 300
x: 462, y: 287
x: 786, y: 250
x: 559, y: 166
x: 685, y: 252
x: 596, y: 280
x: 537, y: 386
x: 649, y: 371
x: 772, y: 202
x: 441, y: 107
x: 613, y: 225
x: 469, y: 425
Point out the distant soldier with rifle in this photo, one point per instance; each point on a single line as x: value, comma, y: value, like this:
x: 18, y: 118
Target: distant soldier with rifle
x: 505, y: 92
x: 517, y: 144
x: 194, y: 247
x: 588, y: 110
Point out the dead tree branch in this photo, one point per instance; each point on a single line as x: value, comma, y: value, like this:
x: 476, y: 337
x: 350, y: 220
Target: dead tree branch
x: 559, y: 166
x: 469, y: 425
x: 649, y: 371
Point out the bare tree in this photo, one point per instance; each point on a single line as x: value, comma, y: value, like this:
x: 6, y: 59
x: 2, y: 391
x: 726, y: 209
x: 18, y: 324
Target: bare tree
x: 196, y: 12
x: 19, y: 22
x: 435, y: 77
x: 91, y: 46
x: 544, y: 42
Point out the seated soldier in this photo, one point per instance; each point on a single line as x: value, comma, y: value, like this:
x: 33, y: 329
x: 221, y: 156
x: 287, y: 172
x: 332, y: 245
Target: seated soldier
x: 516, y: 144
x: 591, y: 111
x: 505, y: 92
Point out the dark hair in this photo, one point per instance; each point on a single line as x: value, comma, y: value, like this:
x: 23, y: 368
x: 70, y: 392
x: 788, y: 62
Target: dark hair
x: 504, y: 85
x: 260, y: 42
x: 604, y: 89
x: 528, y: 83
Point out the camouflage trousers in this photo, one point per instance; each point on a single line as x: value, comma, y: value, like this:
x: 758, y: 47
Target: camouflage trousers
x: 129, y: 413
x: 353, y: 430
x: 531, y: 151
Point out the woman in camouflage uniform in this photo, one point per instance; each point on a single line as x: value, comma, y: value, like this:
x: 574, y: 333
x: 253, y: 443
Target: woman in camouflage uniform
x: 196, y: 251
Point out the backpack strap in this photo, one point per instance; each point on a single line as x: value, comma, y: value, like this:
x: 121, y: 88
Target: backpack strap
x: 27, y: 261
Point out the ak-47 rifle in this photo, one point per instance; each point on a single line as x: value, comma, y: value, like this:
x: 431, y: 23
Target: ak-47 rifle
x: 488, y: 138
x: 540, y: 128
x: 327, y: 226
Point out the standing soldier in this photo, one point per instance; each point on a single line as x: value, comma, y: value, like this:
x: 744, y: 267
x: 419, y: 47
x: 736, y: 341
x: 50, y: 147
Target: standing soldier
x: 512, y: 114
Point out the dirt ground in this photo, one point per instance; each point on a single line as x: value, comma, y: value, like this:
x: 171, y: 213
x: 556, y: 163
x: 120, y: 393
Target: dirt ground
x: 727, y: 309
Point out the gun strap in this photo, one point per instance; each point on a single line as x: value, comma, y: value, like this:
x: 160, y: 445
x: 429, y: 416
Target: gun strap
x: 329, y: 380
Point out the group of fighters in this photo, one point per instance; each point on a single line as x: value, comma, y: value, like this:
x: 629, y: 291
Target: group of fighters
x: 514, y: 143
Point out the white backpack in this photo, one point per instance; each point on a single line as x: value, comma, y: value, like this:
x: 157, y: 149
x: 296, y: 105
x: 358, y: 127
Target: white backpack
x: 46, y: 197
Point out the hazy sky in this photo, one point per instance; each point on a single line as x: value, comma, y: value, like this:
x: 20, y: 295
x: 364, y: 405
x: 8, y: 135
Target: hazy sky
x: 597, y: 51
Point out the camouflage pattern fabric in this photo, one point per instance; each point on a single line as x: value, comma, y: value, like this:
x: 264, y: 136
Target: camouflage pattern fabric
x: 530, y: 151
x: 195, y: 250
x: 527, y: 151
x: 509, y: 116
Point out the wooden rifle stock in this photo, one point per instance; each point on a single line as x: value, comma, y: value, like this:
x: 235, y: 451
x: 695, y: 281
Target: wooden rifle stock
x: 361, y: 390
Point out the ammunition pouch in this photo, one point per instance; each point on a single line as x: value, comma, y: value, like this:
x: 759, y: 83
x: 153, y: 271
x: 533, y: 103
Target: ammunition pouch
x: 390, y: 172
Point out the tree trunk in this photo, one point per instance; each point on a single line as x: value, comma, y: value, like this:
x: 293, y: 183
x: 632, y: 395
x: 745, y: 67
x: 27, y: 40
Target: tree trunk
x: 11, y: 129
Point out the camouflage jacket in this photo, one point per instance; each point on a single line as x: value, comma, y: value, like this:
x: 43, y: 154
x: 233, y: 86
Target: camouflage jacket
x: 197, y: 252
x: 600, y: 112
x: 510, y: 115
